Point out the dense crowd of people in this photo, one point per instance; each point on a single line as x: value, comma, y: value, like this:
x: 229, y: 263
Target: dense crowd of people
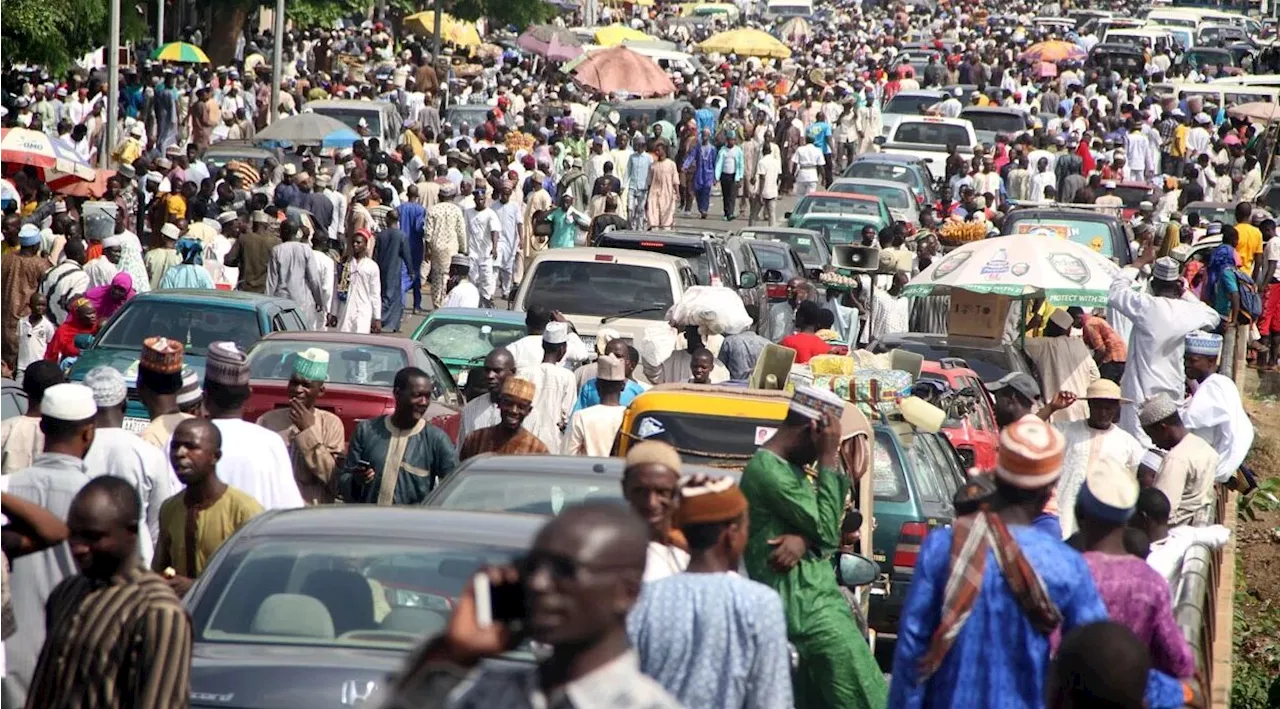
x: 1050, y: 588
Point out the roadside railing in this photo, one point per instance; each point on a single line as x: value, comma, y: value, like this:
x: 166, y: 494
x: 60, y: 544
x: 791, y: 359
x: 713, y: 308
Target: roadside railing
x: 1195, y: 595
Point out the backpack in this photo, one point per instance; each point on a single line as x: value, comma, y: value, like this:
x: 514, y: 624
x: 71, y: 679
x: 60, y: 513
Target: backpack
x: 1250, y: 301
x: 542, y: 226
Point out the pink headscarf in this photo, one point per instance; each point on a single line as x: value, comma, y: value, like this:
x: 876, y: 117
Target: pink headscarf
x: 100, y: 297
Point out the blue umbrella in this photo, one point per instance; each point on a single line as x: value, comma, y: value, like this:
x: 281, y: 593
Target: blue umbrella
x: 341, y: 138
x: 311, y: 129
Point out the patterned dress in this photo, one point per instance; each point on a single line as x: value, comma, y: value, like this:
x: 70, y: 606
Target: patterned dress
x: 446, y: 236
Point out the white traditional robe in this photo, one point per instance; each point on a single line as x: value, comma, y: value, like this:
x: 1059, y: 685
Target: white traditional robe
x: 1085, y: 445
x: 555, y: 391
x: 1160, y: 327
x: 124, y: 455
x: 100, y: 272
x: 255, y: 460
x: 1216, y: 414
x: 1065, y: 364
x: 364, y: 297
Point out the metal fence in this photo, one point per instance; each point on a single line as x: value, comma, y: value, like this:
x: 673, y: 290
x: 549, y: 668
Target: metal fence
x: 1195, y: 595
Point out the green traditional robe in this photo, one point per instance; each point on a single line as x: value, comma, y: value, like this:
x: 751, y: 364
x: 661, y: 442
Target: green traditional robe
x: 837, y: 669
x: 405, y: 462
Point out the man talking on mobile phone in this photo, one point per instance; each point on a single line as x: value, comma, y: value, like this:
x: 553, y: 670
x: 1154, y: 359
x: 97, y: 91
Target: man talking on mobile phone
x: 578, y: 583
x: 795, y: 522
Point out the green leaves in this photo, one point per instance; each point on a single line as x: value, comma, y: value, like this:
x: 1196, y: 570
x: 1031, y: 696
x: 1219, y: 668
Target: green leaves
x: 57, y: 32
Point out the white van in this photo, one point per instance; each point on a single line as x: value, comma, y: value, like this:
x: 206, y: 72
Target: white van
x: 785, y: 9
x: 1159, y: 40
x: 1221, y: 94
x: 1252, y: 80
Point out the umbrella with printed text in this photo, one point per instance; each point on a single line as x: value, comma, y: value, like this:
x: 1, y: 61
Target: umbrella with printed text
x: 1042, y: 262
x: 55, y: 161
x: 621, y: 70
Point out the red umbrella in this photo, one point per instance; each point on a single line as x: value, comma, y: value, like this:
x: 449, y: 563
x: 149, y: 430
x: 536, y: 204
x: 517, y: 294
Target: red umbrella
x: 93, y: 189
x: 620, y: 70
x: 56, y: 162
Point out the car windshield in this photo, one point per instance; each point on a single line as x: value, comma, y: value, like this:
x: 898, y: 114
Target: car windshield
x: 886, y: 171
x: 990, y: 364
x: 909, y: 105
x: 776, y: 259
x: 1134, y: 196
x: 837, y: 205
x: 838, y: 231
x: 894, y: 197
x: 467, y: 339
x: 1226, y: 215
x: 196, y: 325
x: 931, y: 133
x: 805, y: 245
x: 471, y: 115
x: 887, y: 480
x: 1095, y: 235
x: 696, y: 255
x: 349, y: 362
x: 316, y: 592
x: 995, y: 122
x: 350, y: 117
x: 528, y: 493
x: 1209, y: 57
x: 600, y: 288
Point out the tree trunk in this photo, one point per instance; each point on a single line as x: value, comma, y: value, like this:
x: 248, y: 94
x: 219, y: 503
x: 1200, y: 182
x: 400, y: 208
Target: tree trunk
x: 228, y: 18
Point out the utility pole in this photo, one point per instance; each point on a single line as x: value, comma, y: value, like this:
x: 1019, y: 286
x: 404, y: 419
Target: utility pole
x: 277, y: 61
x: 435, y: 50
x: 159, y: 23
x: 113, y: 85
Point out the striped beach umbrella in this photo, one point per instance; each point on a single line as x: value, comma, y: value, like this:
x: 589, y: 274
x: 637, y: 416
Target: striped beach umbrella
x: 57, y: 163
x: 181, y: 52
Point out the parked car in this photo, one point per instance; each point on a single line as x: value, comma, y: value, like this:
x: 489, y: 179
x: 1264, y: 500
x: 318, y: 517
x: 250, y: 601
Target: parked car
x: 381, y: 117
x: 990, y: 359
x: 540, y: 485
x: 971, y: 417
x: 991, y: 121
x: 908, y: 103
x: 461, y: 337
x: 361, y: 371
x: 930, y: 138
x: 13, y: 400
x: 1124, y: 59
x: 809, y: 245
x: 1133, y: 194
x: 625, y: 289
x: 195, y: 317
x: 1224, y: 212
x: 718, y: 260
x: 867, y: 208
x: 898, y: 197
x: 317, y: 607
x: 224, y: 151
x: 1105, y: 233
x: 915, y: 476
x: 644, y: 110
x: 896, y: 168
x: 780, y: 263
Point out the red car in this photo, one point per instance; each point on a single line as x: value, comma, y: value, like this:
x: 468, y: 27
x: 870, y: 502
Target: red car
x: 361, y: 370
x: 975, y: 436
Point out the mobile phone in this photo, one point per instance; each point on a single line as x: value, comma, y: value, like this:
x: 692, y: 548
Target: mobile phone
x: 503, y: 603
x: 362, y: 463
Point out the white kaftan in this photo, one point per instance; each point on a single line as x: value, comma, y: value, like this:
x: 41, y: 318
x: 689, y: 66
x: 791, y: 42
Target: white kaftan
x: 1084, y: 445
x: 124, y: 455
x: 255, y: 460
x: 555, y: 391
x: 1216, y: 414
x: 363, y: 303
x: 1065, y: 364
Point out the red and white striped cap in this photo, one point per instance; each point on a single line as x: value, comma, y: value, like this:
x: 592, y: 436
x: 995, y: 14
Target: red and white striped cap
x: 1030, y: 455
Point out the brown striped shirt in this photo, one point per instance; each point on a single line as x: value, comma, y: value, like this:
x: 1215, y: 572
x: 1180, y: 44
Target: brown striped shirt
x: 118, y: 644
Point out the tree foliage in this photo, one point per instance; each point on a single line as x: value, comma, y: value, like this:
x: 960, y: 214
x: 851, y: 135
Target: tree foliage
x: 55, y: 33
x: 520, y: 13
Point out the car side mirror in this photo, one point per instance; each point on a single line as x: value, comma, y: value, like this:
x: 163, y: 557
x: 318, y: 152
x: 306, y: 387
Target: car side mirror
x: 787, y: 215
x: 772, y: 275
x: 856, y: 570
x: 83, y: 342
x: 747, y: 280
x: 880, y: 140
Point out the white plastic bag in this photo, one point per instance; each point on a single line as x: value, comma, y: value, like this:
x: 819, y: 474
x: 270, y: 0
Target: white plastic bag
x: 716, y: 309
x: 656, y: 346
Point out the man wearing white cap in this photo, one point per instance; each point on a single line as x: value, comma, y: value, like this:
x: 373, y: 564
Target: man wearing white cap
x: 1110, y: 198
x: 592, y: 430
x: 1214, y: 410
x: 20, y: 272
x: 1161, y: 321
x: 123, y: 454
x: 159, y: 259
x: 555, y: 387
x: 102, y: 269
x: 1186, y: 473
x: 54, y: 478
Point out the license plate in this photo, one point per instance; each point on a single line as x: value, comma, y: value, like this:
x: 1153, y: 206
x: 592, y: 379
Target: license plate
x: 135, y: 425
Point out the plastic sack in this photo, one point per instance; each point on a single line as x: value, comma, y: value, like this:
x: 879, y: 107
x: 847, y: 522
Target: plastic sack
x: 717, y: 309
x: 656, y: 346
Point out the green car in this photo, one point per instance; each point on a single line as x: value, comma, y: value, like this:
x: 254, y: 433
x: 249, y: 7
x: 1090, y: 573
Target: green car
x: 461, y: 337
x: 839, y: 229
x: 195, y: 317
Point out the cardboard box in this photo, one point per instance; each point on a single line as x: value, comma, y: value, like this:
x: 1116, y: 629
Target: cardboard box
x: 978, y: 314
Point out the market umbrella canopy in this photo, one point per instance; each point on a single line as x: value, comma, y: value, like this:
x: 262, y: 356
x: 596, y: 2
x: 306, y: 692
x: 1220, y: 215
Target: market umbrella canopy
x: 57, y: 163
x: 613, y: 35
x: 620, y: 70
x: 1257, y: 111
x: 181, y: 52
x: 746, y: 41
x: 555, y: 43
x: 1041, y: 263
x: 453, y: 30
x: 1054, y: 50
x: 796, y: 29
x: 89, y: 189
x: 311, y: 129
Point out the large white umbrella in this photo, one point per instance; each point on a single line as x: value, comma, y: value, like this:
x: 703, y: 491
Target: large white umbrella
x: 1040, y: 264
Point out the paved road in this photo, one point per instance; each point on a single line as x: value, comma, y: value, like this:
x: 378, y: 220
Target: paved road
x: 715, y: 220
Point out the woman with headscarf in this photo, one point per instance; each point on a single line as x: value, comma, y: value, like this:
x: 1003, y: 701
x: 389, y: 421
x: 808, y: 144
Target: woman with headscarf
x: 107, y: 299
x: 83, y: 320
x: 190, y: 272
